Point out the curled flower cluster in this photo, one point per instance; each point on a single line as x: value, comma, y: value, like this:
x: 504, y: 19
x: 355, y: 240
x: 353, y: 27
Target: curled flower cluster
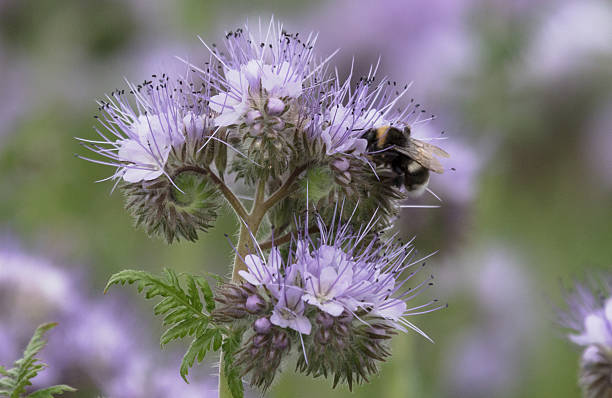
x: 589, y: 315
x: 337, y: 291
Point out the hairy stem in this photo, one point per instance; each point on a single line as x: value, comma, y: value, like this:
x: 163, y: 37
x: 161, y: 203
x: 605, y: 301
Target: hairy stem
x: 249, y: 225
x: 285, y: 189
x: 224, y: 390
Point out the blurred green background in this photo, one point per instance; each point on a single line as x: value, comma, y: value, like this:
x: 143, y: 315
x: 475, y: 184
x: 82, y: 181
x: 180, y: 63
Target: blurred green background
x: 522, y: 90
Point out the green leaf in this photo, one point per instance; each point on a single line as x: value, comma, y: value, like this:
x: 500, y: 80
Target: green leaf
x: 16, y: 379
x: 197, y: 350
x: 232, y: 373
x: 50, y: 392
x: 208, y: 294
x: 186, y: 303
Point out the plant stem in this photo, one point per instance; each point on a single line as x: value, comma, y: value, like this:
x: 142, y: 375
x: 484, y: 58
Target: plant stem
x: 286, y: 188
x: 224, y: 390
x: 249, y: 225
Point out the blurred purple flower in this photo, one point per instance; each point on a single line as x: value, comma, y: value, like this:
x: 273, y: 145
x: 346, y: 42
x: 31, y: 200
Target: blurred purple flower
x: 88, y: 348
x: 485, y: 360
x: 425, y: 42
x: 573, y: 36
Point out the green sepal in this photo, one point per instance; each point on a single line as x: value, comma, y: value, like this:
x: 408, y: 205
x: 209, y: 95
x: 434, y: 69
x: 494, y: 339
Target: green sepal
x: 318, y: 183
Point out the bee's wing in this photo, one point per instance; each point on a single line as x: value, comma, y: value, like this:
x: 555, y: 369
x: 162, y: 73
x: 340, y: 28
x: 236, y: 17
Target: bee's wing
x: 425, y: 154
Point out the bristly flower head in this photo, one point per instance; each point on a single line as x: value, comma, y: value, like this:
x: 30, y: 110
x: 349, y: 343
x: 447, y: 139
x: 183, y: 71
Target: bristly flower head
x: 340, y: 295
x: 158, y: 137
x: 259, y: 84
x: 589, y: 315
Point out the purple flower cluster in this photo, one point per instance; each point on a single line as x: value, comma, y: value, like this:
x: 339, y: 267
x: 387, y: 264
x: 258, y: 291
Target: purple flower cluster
x: 330, y: 290
x: 291, y: 124
x: 338, y: 273
x: 343, y: 112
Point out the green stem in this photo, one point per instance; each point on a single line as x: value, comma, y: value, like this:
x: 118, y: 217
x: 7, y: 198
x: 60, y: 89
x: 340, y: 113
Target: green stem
x: 249, y: 225
x: 224, y: 390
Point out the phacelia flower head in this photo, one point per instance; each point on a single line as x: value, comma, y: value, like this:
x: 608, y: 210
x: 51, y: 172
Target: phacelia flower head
x: 258, y: 88
x: 337, y: 291
x: 160, y: 139
x: 589, y: 315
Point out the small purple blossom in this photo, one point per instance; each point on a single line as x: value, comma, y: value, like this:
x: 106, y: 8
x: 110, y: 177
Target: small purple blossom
x: 344, y: 273
x: 142, y: 128
x: 261, y: 272
x: 259, y: 70
x: 289, y: 311
x: 344, y: 113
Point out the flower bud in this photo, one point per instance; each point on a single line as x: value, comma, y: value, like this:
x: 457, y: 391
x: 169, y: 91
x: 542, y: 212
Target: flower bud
x: 324, y: 319
x: 345, y: 317
x: 255, y: 304
x: 262, y: 326
x: 322, y: 337
x: 275, y: 107
x: 259, y: 340
x: 280, y: 341
x: 342, y: 164
x: 252, y: 117
x: 278, y: 124
x: 256, y: 129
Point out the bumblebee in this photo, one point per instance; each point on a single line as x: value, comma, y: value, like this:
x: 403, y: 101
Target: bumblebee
x: 408, y: 160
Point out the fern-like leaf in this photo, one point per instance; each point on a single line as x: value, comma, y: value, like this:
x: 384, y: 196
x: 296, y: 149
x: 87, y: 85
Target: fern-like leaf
x: 15, y: 380
x: 50, y: 392
x: 186, y: 303
x: 232, y: 372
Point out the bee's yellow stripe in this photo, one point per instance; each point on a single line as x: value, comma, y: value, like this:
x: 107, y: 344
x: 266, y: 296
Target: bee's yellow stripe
x: 381, y: 135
